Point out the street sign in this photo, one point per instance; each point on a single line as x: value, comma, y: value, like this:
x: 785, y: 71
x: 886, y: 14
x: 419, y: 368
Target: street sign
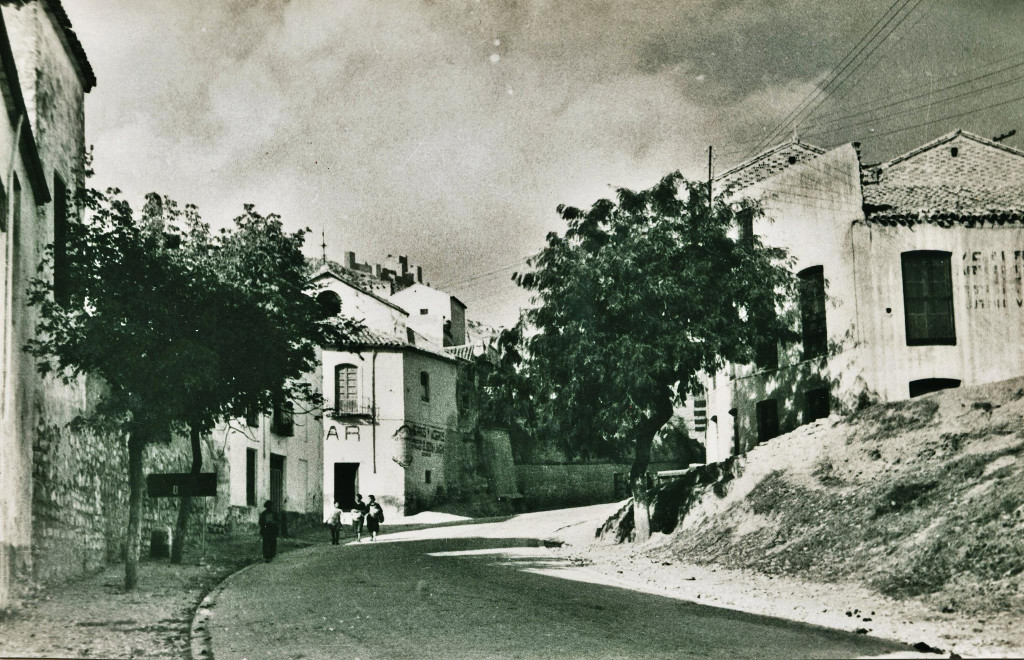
x: 174, y: 484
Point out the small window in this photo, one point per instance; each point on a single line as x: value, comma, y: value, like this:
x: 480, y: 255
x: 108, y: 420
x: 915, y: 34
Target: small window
x: 424, y: 311
x: 767, y: 356
x: 928, y: 298
x: 252, y: 415
x: 929, y: 385
x: 60, y: 237
x: 424, y: 386
x: 767, y: 420
x: 426, y: 477
x: 250, y: 477
x: 345, y: 389
x: 818, y: 404
x: 284, y: 418
x: 812, y: 311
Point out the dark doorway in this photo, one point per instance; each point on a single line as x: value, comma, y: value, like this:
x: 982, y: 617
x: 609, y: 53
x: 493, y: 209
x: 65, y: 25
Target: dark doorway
x: 818, y: 404
x: 736, y: 448
x: 346, y: 484
x: 277, y: 491
x: 929, y: 385
x: 767, y: 420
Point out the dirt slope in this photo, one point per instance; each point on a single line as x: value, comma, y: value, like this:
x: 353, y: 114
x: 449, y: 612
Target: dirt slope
x: 921, y: 498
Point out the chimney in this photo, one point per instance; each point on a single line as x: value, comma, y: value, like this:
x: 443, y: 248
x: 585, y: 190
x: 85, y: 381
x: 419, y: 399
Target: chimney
x: 403, y: 261
x: 350, y: 260
x: 419, y: 274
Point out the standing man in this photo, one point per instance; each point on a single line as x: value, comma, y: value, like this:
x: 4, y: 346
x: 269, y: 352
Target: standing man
x: 268, y: 531
x: 334, y: 522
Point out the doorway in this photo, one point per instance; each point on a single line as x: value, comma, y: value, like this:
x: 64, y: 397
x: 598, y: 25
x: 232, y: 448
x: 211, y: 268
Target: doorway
x: 277, y: 491
x: 346, y: 484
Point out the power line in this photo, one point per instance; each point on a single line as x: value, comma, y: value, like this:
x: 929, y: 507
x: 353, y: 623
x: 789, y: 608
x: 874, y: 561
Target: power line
x: 865, y: 58
x: 923, y: 95
x: 836, y: 71
x: 455, y: 284
x: 954, y: 116
x: 914, y: 108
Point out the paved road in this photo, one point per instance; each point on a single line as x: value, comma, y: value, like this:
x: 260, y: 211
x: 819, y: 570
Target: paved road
x: 403, y: 600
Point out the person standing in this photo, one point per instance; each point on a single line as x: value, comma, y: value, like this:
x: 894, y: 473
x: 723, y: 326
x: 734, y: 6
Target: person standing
x: 359, y: 517
x: 268, y: 530
x: 334, y: 523
x: 374, y: 517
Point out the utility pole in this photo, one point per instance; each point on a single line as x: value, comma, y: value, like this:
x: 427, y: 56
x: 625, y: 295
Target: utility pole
x: 710, y: 197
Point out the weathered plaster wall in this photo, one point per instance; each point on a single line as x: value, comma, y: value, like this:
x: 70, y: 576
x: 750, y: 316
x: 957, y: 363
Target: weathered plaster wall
x: 554, y: 486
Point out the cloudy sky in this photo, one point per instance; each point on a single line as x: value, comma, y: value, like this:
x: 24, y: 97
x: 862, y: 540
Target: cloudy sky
x: 450, y: 130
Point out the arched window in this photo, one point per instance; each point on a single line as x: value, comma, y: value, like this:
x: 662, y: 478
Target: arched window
x: 346, y: 386
x: 330, y: 302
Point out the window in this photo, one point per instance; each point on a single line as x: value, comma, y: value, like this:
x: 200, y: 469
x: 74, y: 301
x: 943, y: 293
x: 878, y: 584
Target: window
x: 746, y: 227
x: 345, y: 389
x: 252, y: 415
x: 3, y: 208
x: 424, y: 311
x: 60, y: 237
x: 284, y: 418
x: 818, y: 404
x: 929, y: 385
x: 250, y: 477
x: 767, y: 356
x: 426, y: 477
x: 812, y: 311
x: 329, y: 302
x: 767, y: 420
x: 424, y: 386
x: 928, y: 298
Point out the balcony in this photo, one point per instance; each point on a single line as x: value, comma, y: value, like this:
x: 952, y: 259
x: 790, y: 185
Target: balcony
x: 349, y: 408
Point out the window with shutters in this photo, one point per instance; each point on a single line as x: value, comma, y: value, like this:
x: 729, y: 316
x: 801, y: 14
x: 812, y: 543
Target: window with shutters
x: 928, y: 298
x: 812, y: 311
x: 346, y: 390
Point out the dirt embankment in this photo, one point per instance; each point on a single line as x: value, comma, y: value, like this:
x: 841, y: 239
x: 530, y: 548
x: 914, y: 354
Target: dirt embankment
x: 917, y: 500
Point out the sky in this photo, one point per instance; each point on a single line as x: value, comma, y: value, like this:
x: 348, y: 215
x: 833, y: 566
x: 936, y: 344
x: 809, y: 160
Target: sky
x: 450, y: 131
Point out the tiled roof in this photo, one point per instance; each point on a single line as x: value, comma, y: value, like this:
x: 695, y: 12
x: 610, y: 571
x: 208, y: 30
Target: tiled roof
x: 958, y: 178
x: 768, y: 163
x: 88, y: 75
x: 367, y: 338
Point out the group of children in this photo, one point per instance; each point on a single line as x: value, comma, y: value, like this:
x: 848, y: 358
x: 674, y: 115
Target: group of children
x: 363, y: 514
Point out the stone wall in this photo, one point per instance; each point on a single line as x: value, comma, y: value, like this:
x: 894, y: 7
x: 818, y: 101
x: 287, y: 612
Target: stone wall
x: 554, y: 486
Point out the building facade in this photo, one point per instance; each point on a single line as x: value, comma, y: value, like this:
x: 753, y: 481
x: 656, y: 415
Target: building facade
x: 909, y: 281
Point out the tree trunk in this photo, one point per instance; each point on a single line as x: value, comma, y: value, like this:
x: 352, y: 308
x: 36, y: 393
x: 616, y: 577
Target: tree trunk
x: 643, y: 439
x: 185, y: 506
x: 136, y: 445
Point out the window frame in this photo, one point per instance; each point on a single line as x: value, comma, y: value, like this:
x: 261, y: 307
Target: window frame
x: 425, y: 386
x: 338, y: 369
x: 932, y: 303
x: 813, y: 331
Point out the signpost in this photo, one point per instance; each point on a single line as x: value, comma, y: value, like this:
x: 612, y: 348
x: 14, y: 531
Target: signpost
x: 175, y: 484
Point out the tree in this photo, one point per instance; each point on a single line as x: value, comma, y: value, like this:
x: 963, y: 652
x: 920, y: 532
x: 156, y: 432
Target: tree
x: 185, y: 327
x: 637, y: 299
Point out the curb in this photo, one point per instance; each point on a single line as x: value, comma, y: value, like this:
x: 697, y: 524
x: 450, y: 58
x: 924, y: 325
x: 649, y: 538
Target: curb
x: 200, y: 640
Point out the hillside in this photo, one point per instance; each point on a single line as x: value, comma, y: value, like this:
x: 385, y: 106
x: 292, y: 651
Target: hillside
x: 915, y: 499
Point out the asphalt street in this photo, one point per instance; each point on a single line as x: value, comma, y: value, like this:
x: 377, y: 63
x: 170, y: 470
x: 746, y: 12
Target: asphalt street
x: 482, y: 598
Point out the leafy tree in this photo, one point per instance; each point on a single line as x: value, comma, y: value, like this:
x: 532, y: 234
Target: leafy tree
x: 184, y: 326
x: 637, y: 299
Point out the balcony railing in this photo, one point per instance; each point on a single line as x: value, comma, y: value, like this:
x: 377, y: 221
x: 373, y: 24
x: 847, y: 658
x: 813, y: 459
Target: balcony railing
x: 351, y: 408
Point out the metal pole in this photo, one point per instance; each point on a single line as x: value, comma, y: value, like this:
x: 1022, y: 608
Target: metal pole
x: 710, y: 197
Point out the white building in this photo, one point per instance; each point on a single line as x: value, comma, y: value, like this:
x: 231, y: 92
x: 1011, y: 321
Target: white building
x: 910, y: 277
x: 391, y: 419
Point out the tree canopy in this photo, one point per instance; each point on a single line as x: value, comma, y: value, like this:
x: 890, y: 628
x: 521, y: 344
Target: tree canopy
x: 636, y: 299
x: 184, y: 326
